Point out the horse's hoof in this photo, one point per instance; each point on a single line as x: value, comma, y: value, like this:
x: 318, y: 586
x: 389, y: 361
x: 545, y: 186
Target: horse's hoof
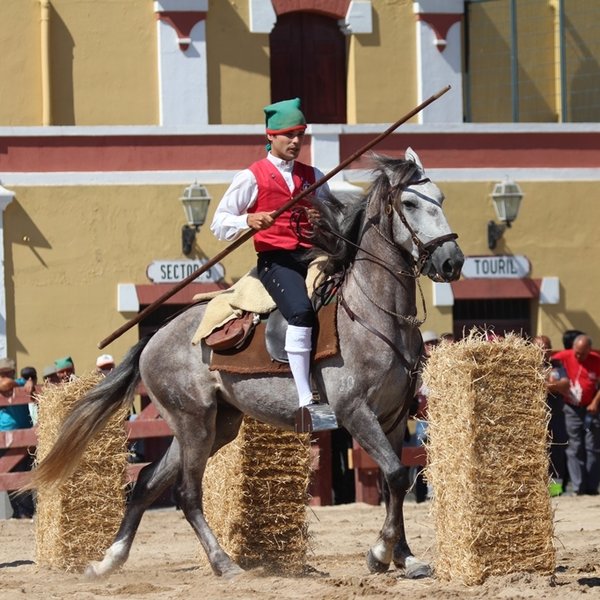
x: 91, y: 571
x: 232, y: 572
x: 418, y: 570
x: 375, y: 565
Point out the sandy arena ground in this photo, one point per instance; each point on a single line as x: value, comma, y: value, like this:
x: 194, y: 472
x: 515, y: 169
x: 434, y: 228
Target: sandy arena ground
x: 164, y: 562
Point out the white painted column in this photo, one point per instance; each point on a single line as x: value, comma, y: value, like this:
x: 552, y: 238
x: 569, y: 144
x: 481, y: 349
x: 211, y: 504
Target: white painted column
x: 6, y: 197
x: 325, y: 155
x: 439, y: 62
x: 182, y: 67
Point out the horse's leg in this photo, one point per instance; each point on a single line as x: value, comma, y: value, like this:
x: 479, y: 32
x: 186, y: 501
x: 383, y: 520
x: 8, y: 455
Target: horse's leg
x: 152, y: 480
x: 197, y: 442
x: 391, y: 543
x: 402, y: 556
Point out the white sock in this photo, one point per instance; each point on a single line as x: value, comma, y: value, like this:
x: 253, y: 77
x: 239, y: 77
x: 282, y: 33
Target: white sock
x: 298, y: 343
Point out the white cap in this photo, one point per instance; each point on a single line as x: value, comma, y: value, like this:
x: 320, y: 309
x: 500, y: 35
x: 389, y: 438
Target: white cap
x: 105, y: 360
x: 430, y: 336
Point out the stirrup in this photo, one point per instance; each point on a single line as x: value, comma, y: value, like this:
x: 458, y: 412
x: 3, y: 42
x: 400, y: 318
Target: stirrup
x: 315, y: 417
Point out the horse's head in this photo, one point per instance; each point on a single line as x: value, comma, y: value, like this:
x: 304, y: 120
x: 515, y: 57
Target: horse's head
x: 413, y: 206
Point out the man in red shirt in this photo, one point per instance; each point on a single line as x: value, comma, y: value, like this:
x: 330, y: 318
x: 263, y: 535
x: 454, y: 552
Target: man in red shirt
x: 582, y: 405
x: 282, y: 258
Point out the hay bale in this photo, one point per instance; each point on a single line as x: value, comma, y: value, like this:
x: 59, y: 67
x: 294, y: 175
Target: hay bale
x: 255, y: 497
x: 488, y: 459
x: 76, y: 521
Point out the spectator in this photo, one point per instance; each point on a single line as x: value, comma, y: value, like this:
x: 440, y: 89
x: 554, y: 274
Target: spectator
x: 557, y: 384
x: 28, y: 381
x: 15, y: 417
x: 582, y: 404
x: 65, y: 369
x: 430, y: 340
x: 448, y: 337
x: 569, y: 337
x: 49, y: 374
x: 105, y: 363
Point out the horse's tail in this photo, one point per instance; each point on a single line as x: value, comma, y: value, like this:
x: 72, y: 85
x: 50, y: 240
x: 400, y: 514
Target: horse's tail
x: 89, y: 416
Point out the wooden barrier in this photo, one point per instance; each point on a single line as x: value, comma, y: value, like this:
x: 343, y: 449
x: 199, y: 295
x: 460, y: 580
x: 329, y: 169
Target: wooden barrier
x: 16, y: 444
x: 20, y: 442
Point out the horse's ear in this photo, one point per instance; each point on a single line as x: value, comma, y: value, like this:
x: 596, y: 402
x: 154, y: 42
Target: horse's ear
x: 412, y: 155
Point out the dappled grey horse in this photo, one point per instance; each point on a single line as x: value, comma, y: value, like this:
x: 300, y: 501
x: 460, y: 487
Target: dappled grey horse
x: 377, y: 248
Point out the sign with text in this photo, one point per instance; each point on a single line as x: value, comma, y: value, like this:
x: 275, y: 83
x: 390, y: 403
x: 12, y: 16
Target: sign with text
x: 172, y: 271
x: 496, y: 267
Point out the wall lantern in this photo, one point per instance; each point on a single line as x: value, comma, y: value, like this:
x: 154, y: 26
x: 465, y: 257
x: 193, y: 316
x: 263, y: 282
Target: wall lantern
x: 507, y: 196
x: 195, y: 202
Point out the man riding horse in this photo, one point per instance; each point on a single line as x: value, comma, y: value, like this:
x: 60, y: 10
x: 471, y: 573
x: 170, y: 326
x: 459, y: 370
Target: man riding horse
x: 282, y: 258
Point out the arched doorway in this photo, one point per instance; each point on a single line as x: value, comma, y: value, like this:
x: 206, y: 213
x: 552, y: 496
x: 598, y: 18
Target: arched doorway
x: 308, y: 60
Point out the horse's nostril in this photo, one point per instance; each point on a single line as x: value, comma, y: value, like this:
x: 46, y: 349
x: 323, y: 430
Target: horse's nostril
x: 451, y: 269
x: 448, y: 267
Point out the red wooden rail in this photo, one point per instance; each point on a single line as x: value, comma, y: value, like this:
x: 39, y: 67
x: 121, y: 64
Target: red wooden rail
x: 19, y: 442
x: 148, y: 424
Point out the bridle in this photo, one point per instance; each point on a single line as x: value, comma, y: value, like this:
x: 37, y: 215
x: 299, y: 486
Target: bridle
x: 424, y: 249
x: 424, y: 253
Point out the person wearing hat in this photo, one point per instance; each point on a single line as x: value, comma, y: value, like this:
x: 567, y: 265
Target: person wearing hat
x: 49, y: 374
x: 430, y: 340
x: 15, y: 416
x: 283, y: 259
x: 65, y: 369
x: 105, y: 363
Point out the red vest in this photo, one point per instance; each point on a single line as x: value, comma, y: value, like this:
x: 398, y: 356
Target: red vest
x: 273, y: 192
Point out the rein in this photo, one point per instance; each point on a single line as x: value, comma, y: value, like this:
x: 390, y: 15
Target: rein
x: 424, y: 249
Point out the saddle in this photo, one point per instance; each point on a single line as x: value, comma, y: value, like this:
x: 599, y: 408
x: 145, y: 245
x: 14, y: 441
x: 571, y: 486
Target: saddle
x: 262, y: 349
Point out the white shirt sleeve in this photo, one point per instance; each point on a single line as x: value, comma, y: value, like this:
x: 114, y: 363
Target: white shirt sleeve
x: 322, y: 190
x: 230, y: 218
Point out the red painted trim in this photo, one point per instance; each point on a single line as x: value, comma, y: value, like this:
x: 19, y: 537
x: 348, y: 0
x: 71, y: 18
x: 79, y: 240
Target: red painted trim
x: 473, y: 289
x: 130, y: 153
x: 331, y: 8
x: 182, y: 22
x: 148, y: 293
x: 485, y: 150
x: 440, y: 23
x: 234, y: 152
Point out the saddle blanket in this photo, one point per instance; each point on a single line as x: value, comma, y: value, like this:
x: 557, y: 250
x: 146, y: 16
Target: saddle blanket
x: 247, y: 294
x: 254, y: 358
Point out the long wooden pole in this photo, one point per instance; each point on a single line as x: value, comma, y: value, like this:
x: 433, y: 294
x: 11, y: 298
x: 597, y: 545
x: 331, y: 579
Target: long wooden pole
x: 250, y: 233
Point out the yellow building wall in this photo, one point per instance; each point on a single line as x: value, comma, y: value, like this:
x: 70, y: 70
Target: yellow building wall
x: 582, y: 60
x: 238, y: 65
x: 556, y: 246
x: 382, y: 65
x: 67, y: 248
x: 104, y: 62
x: 20, y: 67
x: 536, y: 44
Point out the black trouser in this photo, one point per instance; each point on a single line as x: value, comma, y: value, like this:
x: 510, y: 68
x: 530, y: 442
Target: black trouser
x: 283, y: 273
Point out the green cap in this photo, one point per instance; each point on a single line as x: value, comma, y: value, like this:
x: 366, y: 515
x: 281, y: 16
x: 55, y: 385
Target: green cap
x: 284, y: 116
x: 49, y: 370
x: 64, y: 363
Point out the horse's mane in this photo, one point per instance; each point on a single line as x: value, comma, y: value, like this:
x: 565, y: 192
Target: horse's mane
x: 339, y: 227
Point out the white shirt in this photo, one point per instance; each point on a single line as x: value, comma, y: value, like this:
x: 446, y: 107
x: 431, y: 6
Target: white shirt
x: 231, y: 218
